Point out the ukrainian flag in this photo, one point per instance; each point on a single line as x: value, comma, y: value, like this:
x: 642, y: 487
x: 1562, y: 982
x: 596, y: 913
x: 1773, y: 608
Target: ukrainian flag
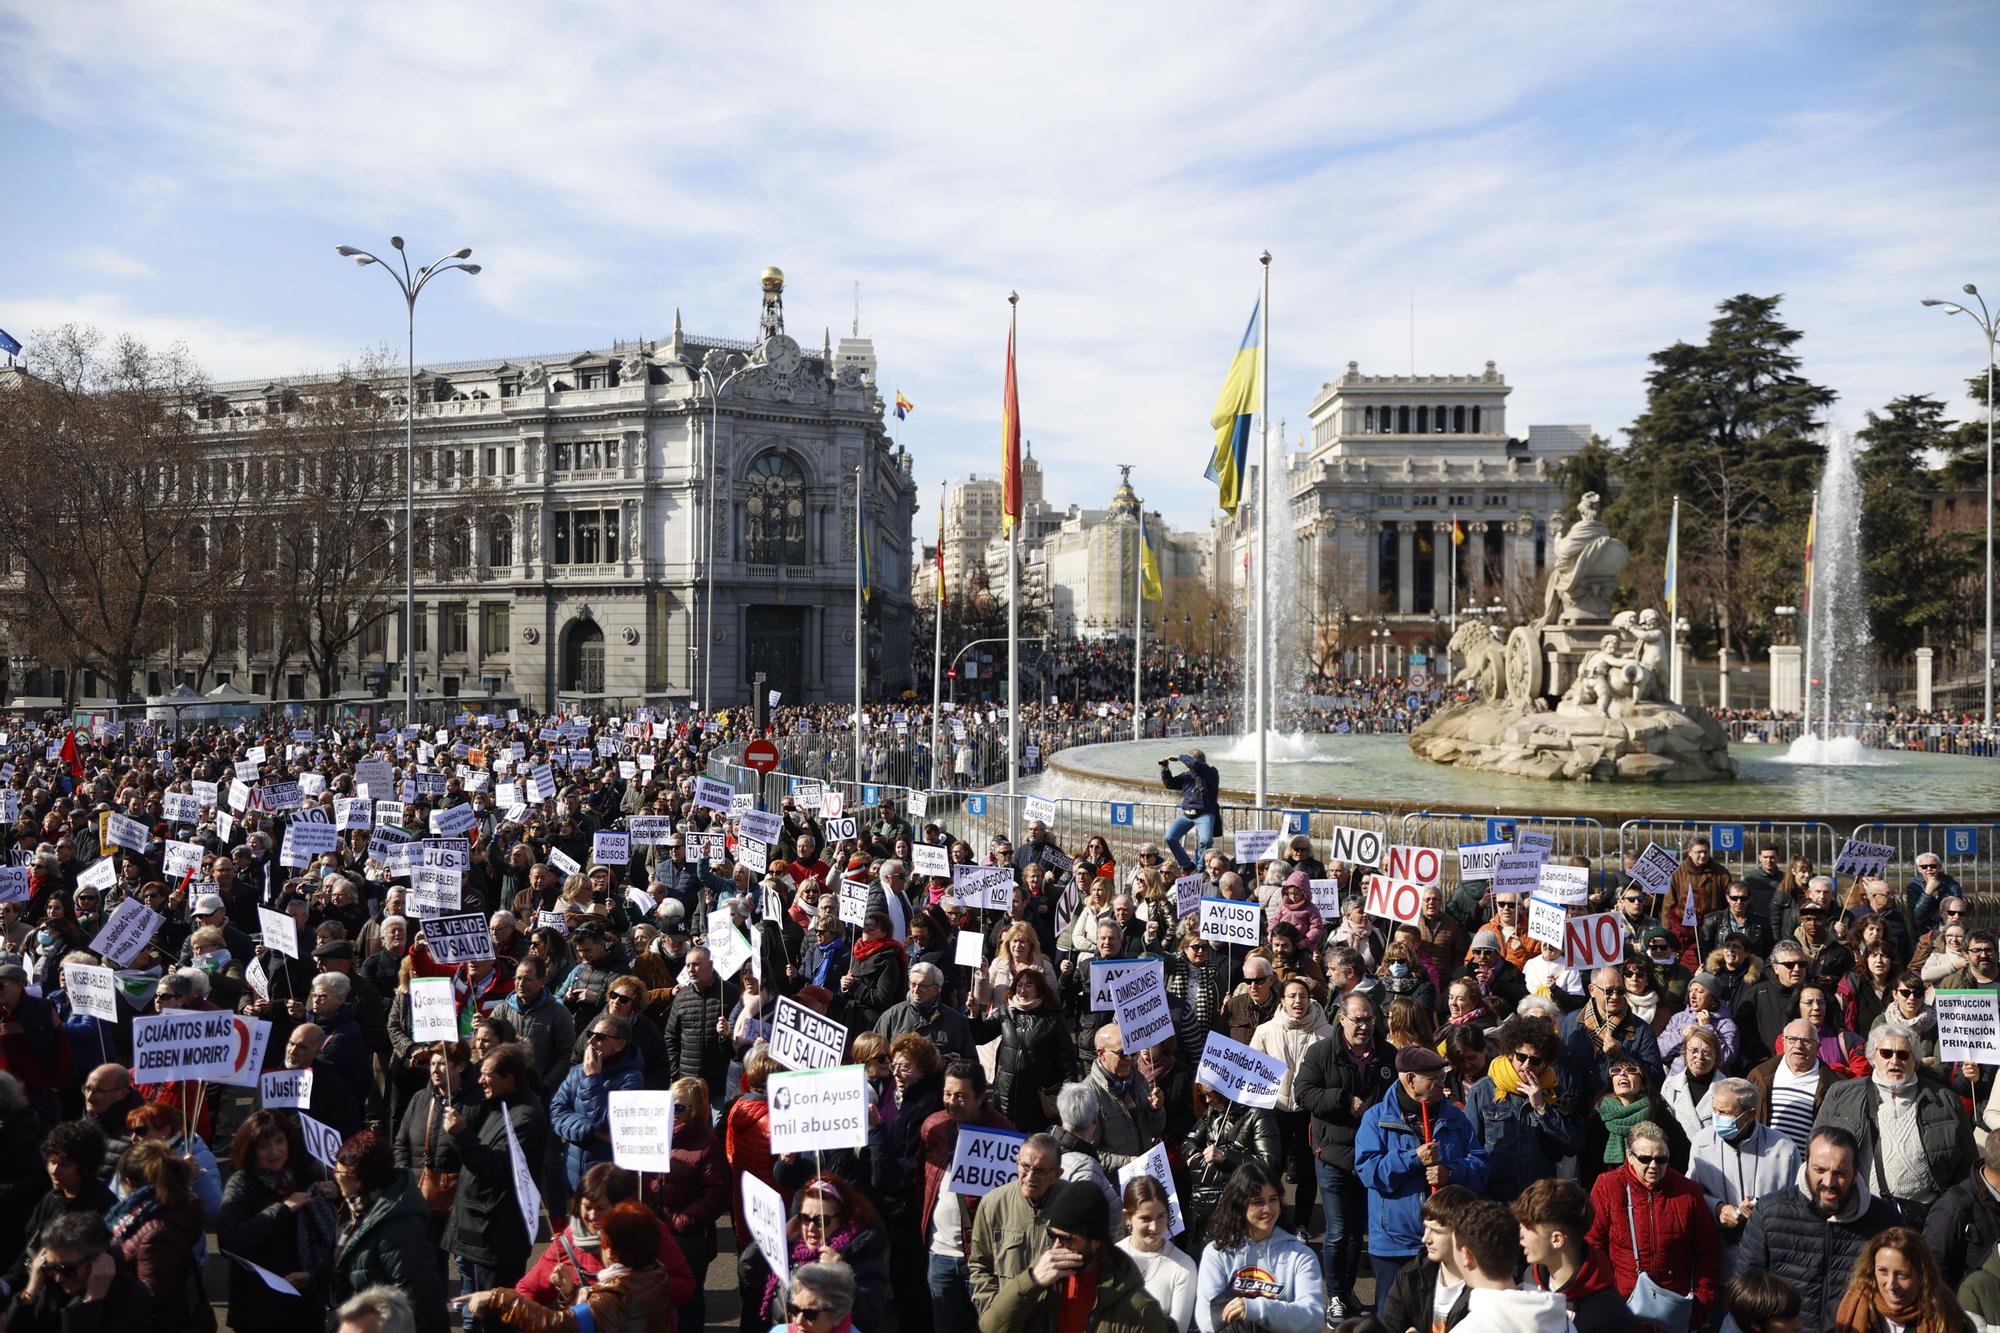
x: 1149, y: 564
x: 1231, y: 420
x: 867, y: 564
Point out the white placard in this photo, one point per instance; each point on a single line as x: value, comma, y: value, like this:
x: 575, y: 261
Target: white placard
x: 1187, y: 894
x: 286, y: 1089
x: 283, y: 796
x: 186, y: 1044
x: 764, y: 1219
x: 610, y: 849
x: 1535, y: 843
x: 1594, y: 941
x: 853, y: 902
x: 1517, y: 872
x: 970, y: 951
x: 1862, y: 860
x: 1107, y: 973
x: 712, y: 795
x: 455, y: 822
x: 802, y: 1039
x: 526, y: 1193
x: 809, y: 795
x: 205, y: 793
x: 353, y: 812
x: 1228, y: 922
x: 92, y: 990
x: 981, y: 887
x: 126, y: 931
x: 458, y: 939
x: 642, y: 1129
x: 309, y: 839
x: 14, y: 884
x: 648, y: 830
x: 1039, y: 810
x: 763, y: 825
x: 1546, y: 920
x: 182, y: 857
x: 279, y: 931
x: 983, y: 1161
x: 1155, y: 1164
x: 727, y: 948
x: 1477, y: 859
x: 1354, y: 846
x: 1654, y: 870
x: 1139, y: 999
x: 322, y: 1141
x: 266, y: 1276
x: 927, y: 859
x: 181, y: 807
x: 1968, y: 1023
x: 1326, y: 897
x: 433, y: 1010
x: 102, y: 875
x: 842, y: 828
x: 753, y: 855
x: 1568, y: 885
x: 1255, y: 844
x: 563, y: 863
x: 1241, y: 1073
x: 127, y: 833
x: 815, y: 1109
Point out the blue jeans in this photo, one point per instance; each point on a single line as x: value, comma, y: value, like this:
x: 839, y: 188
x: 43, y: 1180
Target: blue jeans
x: 1210, y: 826
x: 1386, y: 1267
x: 1346, y: 1204
x: 478, y: 1277
x: 951, y: 1293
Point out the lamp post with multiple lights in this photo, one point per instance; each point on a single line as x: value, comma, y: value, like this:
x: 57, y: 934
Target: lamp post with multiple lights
x: 411, y: 285
x: 1984, y: 319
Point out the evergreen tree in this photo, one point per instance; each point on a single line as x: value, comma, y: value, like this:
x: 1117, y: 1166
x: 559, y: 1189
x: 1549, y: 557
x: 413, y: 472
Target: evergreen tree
x: 1591, y: 468
x: 1965, y: 461
x: 1729, y: 427
x: 1918, y: 576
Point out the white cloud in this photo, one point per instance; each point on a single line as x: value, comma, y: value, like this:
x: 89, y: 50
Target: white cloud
x: 224, y: 350
x: 109, y: 263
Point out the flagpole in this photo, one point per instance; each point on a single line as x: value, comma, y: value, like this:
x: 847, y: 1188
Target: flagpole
x: 860, y: 638
x: 1013, y: 601
x: 1138, y: 615
x: 1263, y: 526
x: 1673, y: 614
x: 937, y: 643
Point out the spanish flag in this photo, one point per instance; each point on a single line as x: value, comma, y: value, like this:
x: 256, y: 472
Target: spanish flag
x: 1149, y: 564
x: 1010, y: 442
x: 1457, y: 531
x: 867, y: 564
x: 1231, y: 419
x: 903, y: 406
x: 940, y: 558
x: 1805, y: 598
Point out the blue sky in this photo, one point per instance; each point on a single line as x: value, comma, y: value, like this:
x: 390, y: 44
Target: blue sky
x: 1562, y: 188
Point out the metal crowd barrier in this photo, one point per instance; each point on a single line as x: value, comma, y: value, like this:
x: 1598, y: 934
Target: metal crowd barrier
x: 1575, y: 836
x: 1969, y: 853
x: 1735, y: 844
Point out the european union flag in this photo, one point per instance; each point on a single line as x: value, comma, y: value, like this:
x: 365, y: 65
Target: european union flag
x: 7, y: 343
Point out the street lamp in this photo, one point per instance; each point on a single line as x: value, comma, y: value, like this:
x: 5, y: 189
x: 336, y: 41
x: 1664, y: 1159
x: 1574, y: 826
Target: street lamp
x: 1984, y: 319
x: 411, y: 285
x: 1788, y: 614
x: 756, y: 362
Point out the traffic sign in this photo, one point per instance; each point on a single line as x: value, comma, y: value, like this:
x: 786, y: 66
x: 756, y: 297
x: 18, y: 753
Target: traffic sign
x: 760, y: 755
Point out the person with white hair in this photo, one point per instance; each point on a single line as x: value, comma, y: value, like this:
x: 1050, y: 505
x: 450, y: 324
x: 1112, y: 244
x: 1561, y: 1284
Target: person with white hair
x: 924, y: 1011
x: 1738, y: 1160
x: 1906, y: 1117
x: 376, y: 1310
x: 1080, y: 1128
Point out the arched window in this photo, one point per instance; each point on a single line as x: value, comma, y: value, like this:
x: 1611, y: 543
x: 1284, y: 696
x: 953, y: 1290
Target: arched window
x: 775, y: 512
x: 197, y: 555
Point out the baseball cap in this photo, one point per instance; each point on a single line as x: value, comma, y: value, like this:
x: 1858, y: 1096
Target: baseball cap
x: 208, y: 904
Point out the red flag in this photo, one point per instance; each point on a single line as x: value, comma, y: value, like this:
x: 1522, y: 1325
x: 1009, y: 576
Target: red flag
x: 70, y: 756
x: 1010, y: 443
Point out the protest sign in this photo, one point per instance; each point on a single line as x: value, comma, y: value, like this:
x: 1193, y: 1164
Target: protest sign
x: 1139, y: 1000
x: 983, y: 1161
x: 803, y: 1039
x: 1517, y: 872
x: 92, y: 990
x: 186, y: 1044
x: 1397, y: 892
x: 266, y: 1276
x: 458, y: 939
x: 1254, y: 845
x: 763, y: 825
x: 642, y: 1130
x: 352, y: 812
x: 1156, y: 1165
x: 1862, y: 860
x: 1546, y: 920
x: 815, y: 1109
x: 1187, y: 894
x: 322, y: 1141
x: 1228, y: 922
x: 375, y: 775
x: 1477, y: 859
x: 433, y: 1009
x: 1106, y: 973
x: 286, y: 1089
x: 1038, y: 810
x: 764, y: 1219
x: 1568, y: 885
x: 310, y: 838
x: 278, y: 931
x: 1326, y: 897
x: 753, y: 855
x: 712, y: 795
x: 204, y: 793
x: 563, y: 863
x: 526, y: 1193
x: 283, y: 796
x: 1654, y: 870
x: 435, y: 891
x: 181, y: 807
x: 1354, y: 846
x: 982, y: 887
x: 455, y: 822
x: 126, y: 932
x: 649, y: 830
x: 1241, y: 1073
x: 853, y: 901
x: 392, y: 813
x: 1593, y: 941
x: 127, y: 833
x: 253, y: 1036
x: 1531, y: 842
x: 1968, y: 1025
x: 970, y: 951
x: 610, y: 849
x: 841, y: 829
x: 808, y: 794
x: 182, y: 857
x: 14, y: 882
x: 727, y: 949
x: 927, y: 859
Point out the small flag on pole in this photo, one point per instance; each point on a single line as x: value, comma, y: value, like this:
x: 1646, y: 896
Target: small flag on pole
x: 1010, y: 442
x: 8, y: 343
x: 1149, y: 564
x: 1457, y: 531
x: 903, y: 406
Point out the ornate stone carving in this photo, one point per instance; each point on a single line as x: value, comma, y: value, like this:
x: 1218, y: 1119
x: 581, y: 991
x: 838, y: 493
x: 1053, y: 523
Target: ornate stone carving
x: 629, y: 634
x: 535, y: 376
x: 529, y: 634
x: 1588, y: 560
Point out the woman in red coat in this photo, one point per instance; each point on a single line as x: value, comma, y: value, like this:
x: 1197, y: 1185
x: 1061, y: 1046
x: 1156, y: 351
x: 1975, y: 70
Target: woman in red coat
x: 691, y: 1197
x: 573, y: 1259
x: 747, y: 1133
x: 1668, y: 1234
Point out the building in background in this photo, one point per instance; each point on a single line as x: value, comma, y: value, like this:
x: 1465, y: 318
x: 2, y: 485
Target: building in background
x: 586, y: 579
x: 1091, y: 568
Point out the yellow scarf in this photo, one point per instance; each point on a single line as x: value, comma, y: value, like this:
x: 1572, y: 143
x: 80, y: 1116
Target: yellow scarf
x: 1507, y: 1080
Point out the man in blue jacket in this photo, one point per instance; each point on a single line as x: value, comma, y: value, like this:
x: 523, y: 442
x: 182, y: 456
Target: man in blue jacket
x: 1603, y: 1028
x: 1410, y: 1143
x: 580, y: 1112
x: 1200, y: 788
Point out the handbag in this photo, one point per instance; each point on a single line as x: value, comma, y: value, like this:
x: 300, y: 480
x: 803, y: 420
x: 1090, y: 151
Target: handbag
x: 439, y: 1188
x: 1651, y: 1302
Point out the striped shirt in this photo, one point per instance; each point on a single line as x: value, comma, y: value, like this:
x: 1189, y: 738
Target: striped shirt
x: 1792, y: 1097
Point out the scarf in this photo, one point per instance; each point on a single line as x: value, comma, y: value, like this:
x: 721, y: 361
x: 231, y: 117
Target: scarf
x: 1644, y: 1006
x: 802, y: 1254
x: 1859, y: 1309
x: 1591, y: 1018
x: 1619, y: 1120
x: 869, y: 948
x: 1507, y: 1079
x: 132, y: 1212
x: 827, y: 958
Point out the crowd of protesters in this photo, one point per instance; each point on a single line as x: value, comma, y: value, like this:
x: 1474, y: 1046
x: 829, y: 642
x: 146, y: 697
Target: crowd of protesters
x: 1748, y: 1119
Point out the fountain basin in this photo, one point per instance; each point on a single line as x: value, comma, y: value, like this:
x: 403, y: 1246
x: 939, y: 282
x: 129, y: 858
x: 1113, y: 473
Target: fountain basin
x: 1380, y: 773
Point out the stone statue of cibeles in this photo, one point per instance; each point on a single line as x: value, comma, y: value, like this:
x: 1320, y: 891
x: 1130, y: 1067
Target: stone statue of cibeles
x: 1609, y: 680
x: 1588, y: 562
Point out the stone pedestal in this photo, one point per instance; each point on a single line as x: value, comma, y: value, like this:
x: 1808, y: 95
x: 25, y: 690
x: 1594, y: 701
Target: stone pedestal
x: 1925, y: 665
x: 1786, y: 660
x: 1722, y: 681
x: 1646, y: 742
x: 1678, y: 669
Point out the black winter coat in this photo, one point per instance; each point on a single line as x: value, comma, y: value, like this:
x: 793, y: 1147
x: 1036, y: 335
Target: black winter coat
x: 1326, y: 1083
x: 1408, y: 1303
x: 255, y: 1224
x: 1244, y: 1133
x: 693, y: 1048
x: 880, y: 980
x: 390, y: 1244
x: 1036, y: 1055
x: 1787, y: 1235
x: 1962, y: 1228
x: 485, y: 1224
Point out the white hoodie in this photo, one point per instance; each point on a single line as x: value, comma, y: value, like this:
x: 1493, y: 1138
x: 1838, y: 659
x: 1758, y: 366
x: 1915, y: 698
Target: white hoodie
x: 1515, y: 1311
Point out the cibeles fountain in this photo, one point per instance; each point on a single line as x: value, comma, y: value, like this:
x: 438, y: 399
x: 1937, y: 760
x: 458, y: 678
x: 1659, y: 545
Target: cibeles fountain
x: 1579, y: 693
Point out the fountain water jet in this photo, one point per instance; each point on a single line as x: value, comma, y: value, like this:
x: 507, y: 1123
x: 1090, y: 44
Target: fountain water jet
x: 1837, y: 615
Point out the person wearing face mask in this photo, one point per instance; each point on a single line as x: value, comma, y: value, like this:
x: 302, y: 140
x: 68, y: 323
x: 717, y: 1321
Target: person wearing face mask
x: 1737, y: 1161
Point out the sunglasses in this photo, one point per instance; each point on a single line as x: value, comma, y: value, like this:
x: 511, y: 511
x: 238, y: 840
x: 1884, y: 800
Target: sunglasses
x: 1787, y: 963
x: 1529, y: 1058
x: 67, y: 1270
x: 807, y: 1313
x: 1651, y: 1159
x: 1906, y: 991
x: 820, y: 1219
x: 1897, y: 1056
x: 1927, y: 868
x: 597, y: 1037
x: 620, y: 997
